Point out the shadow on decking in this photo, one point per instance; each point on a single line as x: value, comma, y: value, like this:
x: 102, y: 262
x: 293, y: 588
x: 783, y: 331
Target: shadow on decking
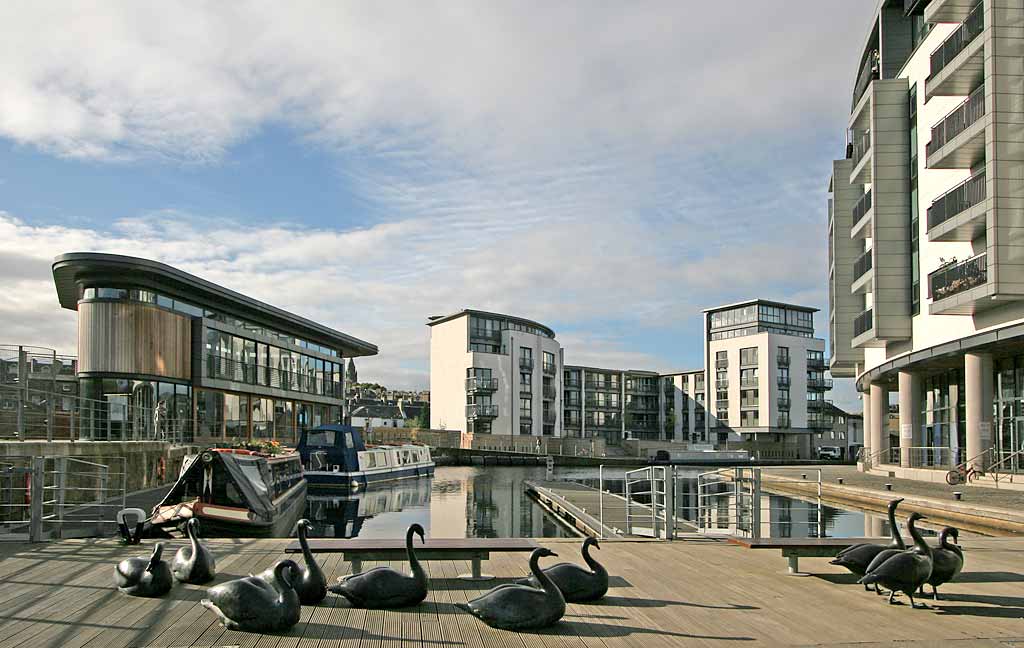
x: 624, y: 601
x: 989, y: 577
x: 591, y: 629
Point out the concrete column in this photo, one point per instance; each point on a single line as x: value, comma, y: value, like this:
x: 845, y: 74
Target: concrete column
x: 866, y: 413
x: 880, y: 421
x: 978, y: 392
x: 910, y: 414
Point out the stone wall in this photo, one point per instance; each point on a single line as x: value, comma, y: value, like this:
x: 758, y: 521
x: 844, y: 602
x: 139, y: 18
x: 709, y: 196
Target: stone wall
x: 567, y: 446
x: 432, y: 438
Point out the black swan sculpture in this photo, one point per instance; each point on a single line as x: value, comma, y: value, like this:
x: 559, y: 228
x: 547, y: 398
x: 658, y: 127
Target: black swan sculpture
x: 194, y: 564
x: 577, y: 585
x: 384, y: 587
x: 857, y: 558
x: 150, y: 577
x: 521, y: 607
x: 947, y: 561
x: 907, y: 571
x: 311, y: 584
x: 253, y: 604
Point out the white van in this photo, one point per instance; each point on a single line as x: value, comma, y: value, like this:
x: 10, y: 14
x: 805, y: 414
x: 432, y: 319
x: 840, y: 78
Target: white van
x: 830, y: 452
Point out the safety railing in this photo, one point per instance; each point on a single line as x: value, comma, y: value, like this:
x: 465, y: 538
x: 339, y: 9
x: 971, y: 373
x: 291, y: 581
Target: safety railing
x: 957, y: 200
x: 862, y: 206
x: 862, y: 265
x: 954, y: 278
x: 958, y: 120
x: 738, y: 501
x: 957, y: 41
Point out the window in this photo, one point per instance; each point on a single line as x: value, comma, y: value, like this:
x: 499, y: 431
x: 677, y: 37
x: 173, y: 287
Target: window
x: 915, y: 261
x: 549, y: 362
x: 748, y: 398
x: 525, y: 381
x: 526, y: 407
x: 748, y: 378
x: 748, y: 357
x: 748, y: 418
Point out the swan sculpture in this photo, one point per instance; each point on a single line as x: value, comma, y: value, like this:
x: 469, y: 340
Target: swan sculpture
x: 947, y: 559
x: 194, y: 564
x: 907, y: 571
x: 252, y: 604
x: 311, y: 584
x: 577, y: 585
x: 150, y: 577
x: 857, y: 558
x: 384, y: 587
x: 521, y: 607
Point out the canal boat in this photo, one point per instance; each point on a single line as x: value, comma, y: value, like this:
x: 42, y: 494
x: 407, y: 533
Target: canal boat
x: 236, y: 492
x: 336, y: 457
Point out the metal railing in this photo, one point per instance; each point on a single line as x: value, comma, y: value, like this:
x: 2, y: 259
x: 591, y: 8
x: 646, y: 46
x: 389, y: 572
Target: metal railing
x: 861, y: 145
x: 957, y: 41
x: 481, y: 384
x: 783, y: 381
x: 548, y: 392
x: 868, y: 73
x: 863, y: 323
x: 862, y: 206
x: 485, y: 334
x: 603, y: 385
x: 750, y: 383
x: 722, y: 383
x: 955, y: 278
x: 594, y: 403
x: 526, y: 363
x: 481, y: 411
x: 783, y: 402
x: 958, y: 120
x: 548, y: 368
x: 862, y: 265
x: 721, y: 364
x: 549, y: 417
x: 960, y: 198
x: 642, y: 388
x: 782, y: 359
x: 736, y: 501
x: 819, y: 383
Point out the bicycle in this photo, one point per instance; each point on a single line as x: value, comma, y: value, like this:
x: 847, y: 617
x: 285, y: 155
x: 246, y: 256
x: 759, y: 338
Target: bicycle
x: 961, y: 474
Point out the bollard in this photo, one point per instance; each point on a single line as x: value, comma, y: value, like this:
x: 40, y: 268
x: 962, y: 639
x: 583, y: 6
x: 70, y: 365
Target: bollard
x: 958, y: 495
x: 888, y: 487
x: 839, y: 480
x: 803, y: 475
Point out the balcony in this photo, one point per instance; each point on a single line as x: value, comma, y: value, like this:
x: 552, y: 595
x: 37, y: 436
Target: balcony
x: 819, y: 422
x: 549, y: 392
x: 548, y: 368
x: 861, y: 141
x: 722, y: 364
x: 722, y: 405
x: 958, y: 140
x: 571, y: 404
x: 784, y: 421
x: 526, y: 388
x: 641, y: 406
x: 571, y: 384
x: 954, y: 282
x: 959, y: 214
x: 863, y: 323
x: 722, y: 383
x: 549, y: 418
x: 948, y: 11
x: 474, y: 412
x: 816, y: 363
x: 861, y: 210
x: 485, y: 334
x: 782, y: 359
x: 868, y: 73
x: 481, y: 385
x: 607, y: 386
x: 642, y: 388
x: 818, y: 405
x: 783, y: 402
x: 570, y: 423
x: 783, y: 381
x: 819, y: 384
x: 749, y: 383
x: 863, y: 277
x: 957, y: 64
x: 595, y: 404
x: 526, y: 363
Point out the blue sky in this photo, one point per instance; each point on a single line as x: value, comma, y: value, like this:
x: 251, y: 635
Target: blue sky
x: 609, y: 170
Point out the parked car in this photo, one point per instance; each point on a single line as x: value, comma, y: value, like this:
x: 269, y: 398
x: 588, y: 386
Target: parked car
x: 830, y: 452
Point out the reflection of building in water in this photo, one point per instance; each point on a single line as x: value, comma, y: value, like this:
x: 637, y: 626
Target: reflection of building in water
x: 343, y: 516
x: 501, y: 509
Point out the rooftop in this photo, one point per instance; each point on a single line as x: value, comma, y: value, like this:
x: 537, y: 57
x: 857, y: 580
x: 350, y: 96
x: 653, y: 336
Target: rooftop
x: 766, y: 302
x: 440, y: 319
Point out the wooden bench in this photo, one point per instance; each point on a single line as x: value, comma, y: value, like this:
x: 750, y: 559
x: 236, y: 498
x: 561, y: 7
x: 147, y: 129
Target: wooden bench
x: 472, y: 549
x: 794, y: 549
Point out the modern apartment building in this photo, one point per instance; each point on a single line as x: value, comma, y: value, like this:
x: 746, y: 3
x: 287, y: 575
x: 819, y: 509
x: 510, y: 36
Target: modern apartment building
x: 683, y: 414
x: 494, y: 374
x: 766, y: 377
x: 926, y: 257
x: 611, y: 403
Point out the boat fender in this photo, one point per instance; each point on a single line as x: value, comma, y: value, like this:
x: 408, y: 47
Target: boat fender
x: 128, y: 536
x: 161, y: 469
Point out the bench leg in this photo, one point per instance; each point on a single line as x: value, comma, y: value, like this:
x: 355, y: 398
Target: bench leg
x: 794, y: 566
x: 357, y: 566
x: 477, y: 574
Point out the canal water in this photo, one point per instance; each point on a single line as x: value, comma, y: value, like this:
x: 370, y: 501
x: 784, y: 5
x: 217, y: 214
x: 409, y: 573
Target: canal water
x: 491, y: 502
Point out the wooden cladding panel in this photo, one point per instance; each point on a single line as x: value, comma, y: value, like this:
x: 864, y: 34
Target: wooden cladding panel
x: 133, y: 338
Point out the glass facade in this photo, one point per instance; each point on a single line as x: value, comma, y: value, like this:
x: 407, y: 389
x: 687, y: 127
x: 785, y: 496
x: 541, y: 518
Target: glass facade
x: 229, y: 357
x: 759, y: 318
x: 122, y: 409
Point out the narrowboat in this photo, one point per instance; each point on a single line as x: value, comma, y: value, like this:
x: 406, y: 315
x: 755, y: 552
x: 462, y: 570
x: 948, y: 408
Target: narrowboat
x: 236, y: 493
x: 335, y: 456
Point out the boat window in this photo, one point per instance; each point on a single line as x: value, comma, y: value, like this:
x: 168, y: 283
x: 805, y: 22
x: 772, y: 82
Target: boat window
x: 370, y: 462
x: 348, y: 440
x: 320, y: 438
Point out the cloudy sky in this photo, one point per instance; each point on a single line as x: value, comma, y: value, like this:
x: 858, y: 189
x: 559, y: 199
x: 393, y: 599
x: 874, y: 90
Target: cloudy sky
x: 608, y: 169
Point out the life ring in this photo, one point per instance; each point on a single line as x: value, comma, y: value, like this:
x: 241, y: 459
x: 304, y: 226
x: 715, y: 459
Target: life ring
x: 161, y: 469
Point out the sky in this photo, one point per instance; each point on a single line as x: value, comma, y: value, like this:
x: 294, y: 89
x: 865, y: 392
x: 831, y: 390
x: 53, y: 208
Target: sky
x: 608, y: 169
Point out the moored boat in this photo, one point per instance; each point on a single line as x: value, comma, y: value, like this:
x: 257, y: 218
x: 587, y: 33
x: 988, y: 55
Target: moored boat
x: 335, y: 456
x: 237, y: 493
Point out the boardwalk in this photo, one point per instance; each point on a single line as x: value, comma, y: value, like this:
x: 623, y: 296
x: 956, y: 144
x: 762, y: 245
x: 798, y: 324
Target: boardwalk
x: 706, y: 593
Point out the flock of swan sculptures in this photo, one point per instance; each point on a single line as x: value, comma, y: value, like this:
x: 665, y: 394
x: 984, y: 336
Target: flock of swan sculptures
x: 898, y: 568
x: 272, y: 600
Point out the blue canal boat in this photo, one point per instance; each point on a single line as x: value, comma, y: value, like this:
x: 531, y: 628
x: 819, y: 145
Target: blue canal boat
x: 336, y: 457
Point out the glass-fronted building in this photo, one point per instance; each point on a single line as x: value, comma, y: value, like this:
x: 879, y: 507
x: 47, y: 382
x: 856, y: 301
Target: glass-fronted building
x: 166, y: 355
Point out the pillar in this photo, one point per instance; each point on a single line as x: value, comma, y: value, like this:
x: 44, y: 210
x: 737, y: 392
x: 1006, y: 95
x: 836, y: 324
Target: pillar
x: 866, y: 413
x: 910, y: 414
x: 880, y: 421
x: 978, y: 395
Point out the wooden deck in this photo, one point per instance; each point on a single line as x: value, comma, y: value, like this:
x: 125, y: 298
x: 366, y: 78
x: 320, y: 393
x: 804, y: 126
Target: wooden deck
x: 693, y: 593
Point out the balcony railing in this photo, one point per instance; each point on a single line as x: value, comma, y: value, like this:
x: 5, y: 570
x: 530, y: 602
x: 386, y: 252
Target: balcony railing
x: 819, y: 383
x: 956, y: 42
x: 960, y: 198
x: 571, y: 384
x: 722, y: 383
x: 816, y: 363
x: 862, y: 206
x: 609, y: 422
x: 784, y: 422
x: 526, y: 363
x: 783, y: 381
x: 549, y: 392
x: 722, y: 405
x: 749, y: 383
x: 863, y: 323
x: 861, y: 145
x: 783, y: 402
x: 481, y: 411
x: 782, y: 359
x: 548, y: 368
x: 641, y: 406
x: 571, y: 404
x: 958, y: 120
x: 721, y: 364
x: 819, y: 422
x: 868, y: 73
x: 595, y: 384
x: 862, y: 265
x: 485, y: 334
x: 481, y: 384
x: 593, y: 404
x: 549, y: 417
x: 642, y: 388
x: 957, y: 277
x: 817, y: 404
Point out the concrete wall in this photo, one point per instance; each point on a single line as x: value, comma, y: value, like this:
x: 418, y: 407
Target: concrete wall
x: 449, y: 358
x: 594, y: 447
x: 432, y: 438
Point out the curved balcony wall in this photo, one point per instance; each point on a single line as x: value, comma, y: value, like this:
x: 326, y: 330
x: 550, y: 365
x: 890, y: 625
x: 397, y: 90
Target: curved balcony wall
x: 133, y: 338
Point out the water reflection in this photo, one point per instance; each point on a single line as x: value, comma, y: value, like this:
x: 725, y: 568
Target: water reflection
x: 458, y: 502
